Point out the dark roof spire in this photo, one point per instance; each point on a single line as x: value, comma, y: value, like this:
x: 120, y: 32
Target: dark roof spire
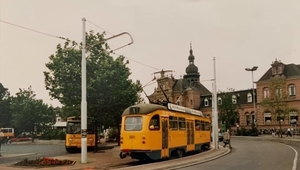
x: 191, y: 49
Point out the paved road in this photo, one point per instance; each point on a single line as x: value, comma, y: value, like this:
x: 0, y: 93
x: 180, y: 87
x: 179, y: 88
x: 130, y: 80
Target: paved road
x: 250, y: 154
x: 14, y: 153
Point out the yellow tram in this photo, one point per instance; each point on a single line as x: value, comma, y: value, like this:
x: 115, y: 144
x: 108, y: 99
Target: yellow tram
x: 73, y: 136
x: 152, y: 131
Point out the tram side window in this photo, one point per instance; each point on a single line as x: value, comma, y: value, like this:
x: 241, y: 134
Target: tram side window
x: 207, y: 126
x: 173, y: 123
x: 181, y: 122
x: 154, y: 123
x: 202, y: 126
x: 198, y: 125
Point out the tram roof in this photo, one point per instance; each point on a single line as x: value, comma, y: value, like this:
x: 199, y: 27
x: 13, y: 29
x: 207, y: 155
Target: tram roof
x: 149, y: 108
x: 143, y: 109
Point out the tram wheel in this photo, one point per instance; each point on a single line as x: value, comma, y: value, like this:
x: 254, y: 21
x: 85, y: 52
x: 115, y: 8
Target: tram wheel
x: 179, y: 153
x: 70, y: 150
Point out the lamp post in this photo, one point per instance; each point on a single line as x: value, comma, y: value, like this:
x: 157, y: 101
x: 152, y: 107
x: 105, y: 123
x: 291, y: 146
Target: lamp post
x: 83, y: 88
x: 254, y: 68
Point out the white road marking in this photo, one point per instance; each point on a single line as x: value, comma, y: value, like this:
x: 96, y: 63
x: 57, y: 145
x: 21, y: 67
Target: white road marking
x: 295, y: 159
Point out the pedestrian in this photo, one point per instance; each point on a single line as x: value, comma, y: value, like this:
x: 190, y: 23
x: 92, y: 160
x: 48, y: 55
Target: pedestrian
x: 288, y: 132
x: 273, y: 132
x: 227, y: 139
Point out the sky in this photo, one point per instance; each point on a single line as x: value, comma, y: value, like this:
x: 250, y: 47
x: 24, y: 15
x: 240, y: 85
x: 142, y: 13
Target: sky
x: 238, y: 33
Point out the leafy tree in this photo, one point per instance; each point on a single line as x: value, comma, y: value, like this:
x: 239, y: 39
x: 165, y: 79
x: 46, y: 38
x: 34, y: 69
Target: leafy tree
x: 109, y: 89
x: 276, y: 103
x: 5, y: 112
x: 30, y: 114
x: 228, y: 111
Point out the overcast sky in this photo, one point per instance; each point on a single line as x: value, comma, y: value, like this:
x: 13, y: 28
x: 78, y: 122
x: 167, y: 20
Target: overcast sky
x: 239, y: 33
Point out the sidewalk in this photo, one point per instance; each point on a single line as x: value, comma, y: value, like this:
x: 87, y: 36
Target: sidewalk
x: 109, y: 159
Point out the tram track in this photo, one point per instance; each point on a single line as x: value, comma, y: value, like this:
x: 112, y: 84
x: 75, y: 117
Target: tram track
x: 137, y: 163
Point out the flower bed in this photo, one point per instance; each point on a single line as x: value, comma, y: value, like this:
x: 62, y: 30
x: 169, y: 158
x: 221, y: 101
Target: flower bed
x: 44, y: 161
x: 20, y: 139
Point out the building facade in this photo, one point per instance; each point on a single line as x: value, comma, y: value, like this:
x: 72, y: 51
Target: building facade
x: 291, y: 73
x: 189, y: 92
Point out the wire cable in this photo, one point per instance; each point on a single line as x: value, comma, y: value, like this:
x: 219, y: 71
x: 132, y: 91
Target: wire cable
x: 99, y: 27
x: 63, y: 38
x: 135, y: 61
x: 29, y: 29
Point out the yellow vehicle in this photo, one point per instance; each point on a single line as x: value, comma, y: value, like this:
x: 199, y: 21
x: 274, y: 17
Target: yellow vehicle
x: 73, y: 136
x: 152, y: 131
x: 7, y: 132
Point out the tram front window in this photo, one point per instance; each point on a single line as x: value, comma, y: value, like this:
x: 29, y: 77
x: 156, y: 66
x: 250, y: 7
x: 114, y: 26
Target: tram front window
x: 133, y: 123
x: 74, y: 128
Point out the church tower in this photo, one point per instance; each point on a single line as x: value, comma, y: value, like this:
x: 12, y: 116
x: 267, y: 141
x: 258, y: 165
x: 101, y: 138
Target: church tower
x: 191, y: 83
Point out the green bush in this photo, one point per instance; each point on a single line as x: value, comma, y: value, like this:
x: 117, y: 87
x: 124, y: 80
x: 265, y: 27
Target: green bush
x: 53, y: 134
x: 244, y: 132
x: 254, y: 131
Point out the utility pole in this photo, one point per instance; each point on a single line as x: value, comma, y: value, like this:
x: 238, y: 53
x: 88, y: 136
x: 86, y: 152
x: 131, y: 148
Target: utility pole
x: 83, y: 87
x: 83, y: 99
x: 215, y: 110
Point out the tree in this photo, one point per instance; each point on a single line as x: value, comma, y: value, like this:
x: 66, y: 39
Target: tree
x: 109, y: 89
x: 5, y: 112
x: 30, y: 114
x: 228, y: 110
x: 276, y: 103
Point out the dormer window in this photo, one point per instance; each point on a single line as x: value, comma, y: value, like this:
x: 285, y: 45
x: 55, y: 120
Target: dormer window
x: 277, y: 67
x: 249, y: 97
x: 206, y: 102
x: 233, y: 99
x: 219, y: 100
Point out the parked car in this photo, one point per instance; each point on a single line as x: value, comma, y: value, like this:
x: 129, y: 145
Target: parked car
x: 221, y: 137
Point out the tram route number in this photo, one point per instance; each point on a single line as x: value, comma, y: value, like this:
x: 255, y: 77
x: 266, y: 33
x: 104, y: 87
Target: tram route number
x: 83, y: 133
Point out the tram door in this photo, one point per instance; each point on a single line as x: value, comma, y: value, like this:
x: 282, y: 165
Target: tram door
x: 190, y: 135
x: 165, y: 134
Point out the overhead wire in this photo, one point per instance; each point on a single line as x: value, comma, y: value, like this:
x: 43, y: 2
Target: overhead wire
x: 33, y: 30
x: 63, y: 38
x: 99, y: 27
x: 113, y: 51
x: 135, y: 61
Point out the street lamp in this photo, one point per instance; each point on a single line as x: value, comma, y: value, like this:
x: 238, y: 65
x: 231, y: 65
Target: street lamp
x: 254, y: 107
x: 83, y: 88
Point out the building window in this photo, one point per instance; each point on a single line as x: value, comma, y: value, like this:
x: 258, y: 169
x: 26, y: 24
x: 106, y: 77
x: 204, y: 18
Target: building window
x: 279, y: 92
x: 252, y: 117
x: 219, y: 100
x: 292, y: 90
x: 293, y: 115
x: 267, y: 118
x: 249, y: 97
x: 191, y: 102
x: 247, y: 119
x: 266, y: 92
x: 233, y: 99
x: 206, y: 102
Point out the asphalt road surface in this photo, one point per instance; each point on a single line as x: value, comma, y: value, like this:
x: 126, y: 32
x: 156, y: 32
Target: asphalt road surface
x: 248, y: 154
x: 15, y: 153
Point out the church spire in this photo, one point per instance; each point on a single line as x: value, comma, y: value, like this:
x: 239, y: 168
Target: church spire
x: 191, y: 49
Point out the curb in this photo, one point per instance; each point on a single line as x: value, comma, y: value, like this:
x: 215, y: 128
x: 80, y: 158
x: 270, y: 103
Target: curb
x: 199, y: 161
x: 188, y: 161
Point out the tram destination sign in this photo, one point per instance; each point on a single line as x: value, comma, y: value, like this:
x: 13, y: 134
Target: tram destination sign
x: 178, y: 108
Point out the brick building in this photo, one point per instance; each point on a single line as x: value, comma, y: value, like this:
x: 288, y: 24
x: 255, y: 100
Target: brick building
x: 189, y: 92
